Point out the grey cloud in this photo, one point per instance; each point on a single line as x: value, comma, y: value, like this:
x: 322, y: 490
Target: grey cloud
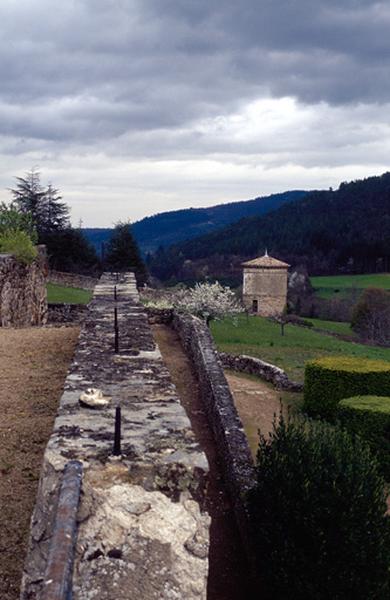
x: 94, y: 70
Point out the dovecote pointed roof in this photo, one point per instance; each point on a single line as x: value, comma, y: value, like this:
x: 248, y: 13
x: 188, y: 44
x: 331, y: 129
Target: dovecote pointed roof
x: 267, y: 262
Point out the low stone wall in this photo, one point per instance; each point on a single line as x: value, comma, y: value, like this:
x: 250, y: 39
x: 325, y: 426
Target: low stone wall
x: 255, y: 366
x: 72, y: 280
x: 159, y: 315
x: 234, y: 453
x: 66, y: 313
x: 23, y: 299
x: 142, y: 532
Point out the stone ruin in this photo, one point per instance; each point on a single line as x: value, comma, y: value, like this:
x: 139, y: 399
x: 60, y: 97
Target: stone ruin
x: 23, y: 299
x: 141, y: 528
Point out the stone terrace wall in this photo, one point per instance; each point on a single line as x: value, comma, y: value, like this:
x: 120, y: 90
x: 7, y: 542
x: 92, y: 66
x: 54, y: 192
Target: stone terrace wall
x: 66, y: 313
x: 72, y: 280
x: 23, y: 300
x: 142, y: 533
x: 234, y: 452
x: 255, y: 366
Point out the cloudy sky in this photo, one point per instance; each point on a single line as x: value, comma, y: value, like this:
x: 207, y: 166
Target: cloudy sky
x: 132, y: 107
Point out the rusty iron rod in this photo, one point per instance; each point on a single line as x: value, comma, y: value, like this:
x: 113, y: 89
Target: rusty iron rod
x: 117, y: 432
x: 116, y: 330
x: 59, y: 569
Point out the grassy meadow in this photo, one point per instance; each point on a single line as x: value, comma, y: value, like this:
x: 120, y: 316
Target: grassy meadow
x: 262, y: 338
x: 344, y: 285
x: 68, y: 295
x: 339, y: 327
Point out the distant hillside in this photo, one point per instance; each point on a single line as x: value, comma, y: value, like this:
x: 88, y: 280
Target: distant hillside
x: 97, y: 236
x: 172, y: 227
x: 329, y: 231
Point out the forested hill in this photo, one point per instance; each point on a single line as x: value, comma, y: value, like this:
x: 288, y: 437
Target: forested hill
x: 172, y: 227
x: 327, y: 230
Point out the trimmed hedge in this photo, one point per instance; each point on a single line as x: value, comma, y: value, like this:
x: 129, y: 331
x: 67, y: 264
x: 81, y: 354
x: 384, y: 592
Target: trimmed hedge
x: 331, y: 379
x: 369, y: 417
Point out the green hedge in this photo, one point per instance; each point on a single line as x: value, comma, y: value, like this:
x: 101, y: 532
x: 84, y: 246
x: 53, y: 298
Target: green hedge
x: 331, y: 379
x: 369, y: 417
x: 318, y: 515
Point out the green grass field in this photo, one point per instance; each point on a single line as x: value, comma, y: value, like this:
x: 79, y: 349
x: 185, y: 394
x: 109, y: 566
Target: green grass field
x: 67, y: 295
x: 344, y: 285
x: 260, y: 337
x: 334, y: 327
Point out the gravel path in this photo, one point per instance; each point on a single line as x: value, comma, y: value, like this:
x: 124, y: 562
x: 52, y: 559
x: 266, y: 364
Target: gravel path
x: 33, y: 366
x: 257, y: 403
x: 228, y: 571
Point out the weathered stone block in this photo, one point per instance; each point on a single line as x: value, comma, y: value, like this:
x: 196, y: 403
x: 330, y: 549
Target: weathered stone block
x: 23, y: 299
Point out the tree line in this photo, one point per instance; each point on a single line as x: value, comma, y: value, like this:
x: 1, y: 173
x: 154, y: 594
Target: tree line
x: 347, y: 230
x: 39, y: 212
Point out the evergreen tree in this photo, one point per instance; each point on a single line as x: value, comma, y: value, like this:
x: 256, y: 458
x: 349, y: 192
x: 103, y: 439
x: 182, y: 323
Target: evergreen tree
x: 55, y: 213
x: 122, y: 253
x: 44, y: 205
x: 69, y: 250
x: 29, y: 195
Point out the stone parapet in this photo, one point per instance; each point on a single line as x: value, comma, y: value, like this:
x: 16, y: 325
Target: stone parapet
x: 233, y: 449
x: 159, y: 315
x: 142, y: 532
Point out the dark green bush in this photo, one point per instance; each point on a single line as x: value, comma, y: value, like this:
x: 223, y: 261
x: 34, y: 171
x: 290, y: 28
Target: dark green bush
x: 330, y: 379
x: 318, y: 513
x: 369, y: 417
x: 19, y: 244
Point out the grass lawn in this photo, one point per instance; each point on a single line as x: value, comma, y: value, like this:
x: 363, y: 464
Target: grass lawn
x: 343, y: 285
x: 67, y: 295
x: 260, y: 337
x: 333, y: 326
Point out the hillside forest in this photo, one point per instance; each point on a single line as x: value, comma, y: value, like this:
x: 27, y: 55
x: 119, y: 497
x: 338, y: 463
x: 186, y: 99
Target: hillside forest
x: 330, y: 232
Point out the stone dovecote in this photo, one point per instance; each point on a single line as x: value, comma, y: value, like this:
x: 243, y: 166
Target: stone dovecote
x: 265, y: 285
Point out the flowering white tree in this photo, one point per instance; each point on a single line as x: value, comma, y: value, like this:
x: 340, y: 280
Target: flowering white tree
x: 208, y: 301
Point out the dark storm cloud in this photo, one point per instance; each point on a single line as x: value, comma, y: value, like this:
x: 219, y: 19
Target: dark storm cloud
x: 91, y: 70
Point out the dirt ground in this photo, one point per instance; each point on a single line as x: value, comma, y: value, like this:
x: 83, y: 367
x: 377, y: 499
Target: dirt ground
x: 228, y: 570
x: 33, y: 366
x: 257, y: 404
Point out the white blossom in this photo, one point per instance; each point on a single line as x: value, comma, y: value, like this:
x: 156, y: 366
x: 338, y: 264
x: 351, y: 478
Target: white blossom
x: 208, y: 301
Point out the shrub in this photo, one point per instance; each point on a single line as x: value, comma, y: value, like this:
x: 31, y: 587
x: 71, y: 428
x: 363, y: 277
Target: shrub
x: 19, y: 244
x: 12, y: 219
x: 318, y: 514
x: 369, y: 417
x: 330, y: 379
x: 371, y: 316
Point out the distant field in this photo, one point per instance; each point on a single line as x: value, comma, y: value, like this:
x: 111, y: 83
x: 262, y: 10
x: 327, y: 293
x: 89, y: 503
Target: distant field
x: 343, y: 285
x: 262, y: 338
x: 67, y: 295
